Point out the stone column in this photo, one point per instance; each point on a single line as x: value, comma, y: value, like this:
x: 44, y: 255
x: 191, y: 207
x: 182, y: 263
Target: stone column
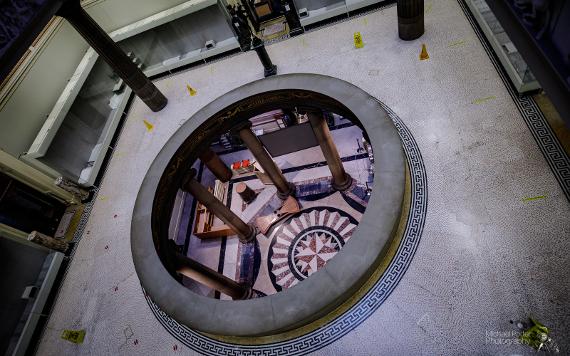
x: 269, y: 68
x: 340, y: 179
x: 284, y: 188
x: 208, y: 277
x: 245, y: 231
x: 216, y: 165
x: 121, y: 64
x: 410, y: 19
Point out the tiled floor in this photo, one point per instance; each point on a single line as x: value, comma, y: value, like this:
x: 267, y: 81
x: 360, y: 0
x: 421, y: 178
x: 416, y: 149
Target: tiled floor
x: 488, y: 255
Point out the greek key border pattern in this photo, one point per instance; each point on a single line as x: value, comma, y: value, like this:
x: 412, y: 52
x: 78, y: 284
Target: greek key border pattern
x: 548, y: 143
x: 362, y: 309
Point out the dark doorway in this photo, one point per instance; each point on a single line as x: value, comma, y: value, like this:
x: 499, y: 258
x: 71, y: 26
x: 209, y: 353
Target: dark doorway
x: 26, y: 209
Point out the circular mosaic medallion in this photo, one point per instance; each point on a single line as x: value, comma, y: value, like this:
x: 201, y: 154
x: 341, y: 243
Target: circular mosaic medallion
x: 302, y: 244
x: 313, y: 249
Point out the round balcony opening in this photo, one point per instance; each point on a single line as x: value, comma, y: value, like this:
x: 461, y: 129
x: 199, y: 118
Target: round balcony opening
x: 282, y: 194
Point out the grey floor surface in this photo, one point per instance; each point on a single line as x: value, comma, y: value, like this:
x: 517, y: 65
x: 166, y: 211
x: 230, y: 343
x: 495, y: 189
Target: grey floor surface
x: 487, y: 255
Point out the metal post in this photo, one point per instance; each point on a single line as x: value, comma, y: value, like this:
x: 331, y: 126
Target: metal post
x: 269, y: 68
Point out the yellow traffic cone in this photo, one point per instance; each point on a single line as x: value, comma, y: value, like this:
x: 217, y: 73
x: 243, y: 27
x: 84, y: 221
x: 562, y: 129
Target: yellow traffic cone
x: 191, y: 90
x: 424, y: 54
x: 148, y: 125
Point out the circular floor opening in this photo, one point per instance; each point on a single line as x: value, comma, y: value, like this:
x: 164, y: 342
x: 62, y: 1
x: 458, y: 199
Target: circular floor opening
x: 270, y: 206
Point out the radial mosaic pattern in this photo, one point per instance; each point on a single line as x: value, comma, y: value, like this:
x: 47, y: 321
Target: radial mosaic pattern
x: 314, y: 249
x: 305, y: 242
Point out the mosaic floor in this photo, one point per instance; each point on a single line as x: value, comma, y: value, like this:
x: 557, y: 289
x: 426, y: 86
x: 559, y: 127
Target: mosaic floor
x: 298, y: 245
x: 476, y: 258
x: 305, y: 242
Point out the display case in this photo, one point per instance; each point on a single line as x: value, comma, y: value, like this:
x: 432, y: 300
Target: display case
x: 313, y: 11
x: 188, y: 39
x: 513, y: 62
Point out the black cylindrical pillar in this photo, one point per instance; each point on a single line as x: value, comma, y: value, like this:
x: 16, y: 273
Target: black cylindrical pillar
x: 410, y: 19
x: 121, y: 64
x: 268, y: 67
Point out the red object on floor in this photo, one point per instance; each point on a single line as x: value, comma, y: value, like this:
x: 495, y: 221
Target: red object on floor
x: 236, y: 165
x: 245, y: 163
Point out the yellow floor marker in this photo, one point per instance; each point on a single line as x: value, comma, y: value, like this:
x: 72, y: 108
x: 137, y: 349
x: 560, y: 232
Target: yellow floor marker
x: 482, y: 100
x: 191, y: 90
x: 424, y: 54
x: 533, y: 198
x: 456, y: 43
x: 148, y: 125
x: 75, y: 336
x: 358, y: 40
